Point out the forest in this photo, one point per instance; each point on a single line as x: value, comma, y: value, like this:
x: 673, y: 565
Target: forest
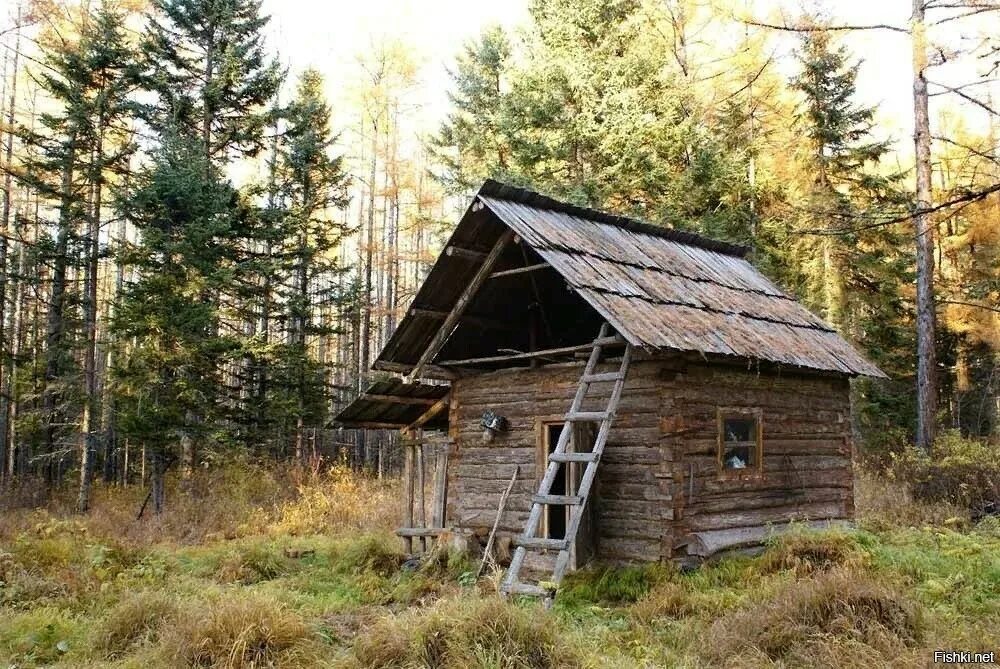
x: 203, y: 247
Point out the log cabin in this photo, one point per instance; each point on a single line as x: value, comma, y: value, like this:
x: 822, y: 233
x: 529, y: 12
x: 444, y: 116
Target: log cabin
x: 602, y: 388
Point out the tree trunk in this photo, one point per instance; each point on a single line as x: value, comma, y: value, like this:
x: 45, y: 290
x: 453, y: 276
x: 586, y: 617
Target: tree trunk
x: 55, y: 324
x: 924, y: 229
x: 8, y: 191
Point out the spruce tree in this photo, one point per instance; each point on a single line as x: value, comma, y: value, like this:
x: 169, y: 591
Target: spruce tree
x: 851, y: 272
x: 214, y: 85
x: 314, y: 182
x: 208, y: 66
x: 184, y: 213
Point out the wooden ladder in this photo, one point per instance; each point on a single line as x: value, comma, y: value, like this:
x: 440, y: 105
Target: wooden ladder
x: 528, y: 540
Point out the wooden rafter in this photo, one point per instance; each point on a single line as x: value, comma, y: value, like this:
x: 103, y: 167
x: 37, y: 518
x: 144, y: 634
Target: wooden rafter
x: 481, y: 321
x: 451, y: 320
x: 435, y: 409
x: 613, y: 340
x: 520, y: 270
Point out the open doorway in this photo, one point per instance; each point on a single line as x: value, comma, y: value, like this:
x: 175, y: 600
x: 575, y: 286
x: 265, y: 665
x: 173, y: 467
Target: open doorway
x: 555, y: 517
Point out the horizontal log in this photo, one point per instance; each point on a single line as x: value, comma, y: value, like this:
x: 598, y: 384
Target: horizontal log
x: 784, y: 514
x: 462, y: 252
x: 608, y: 341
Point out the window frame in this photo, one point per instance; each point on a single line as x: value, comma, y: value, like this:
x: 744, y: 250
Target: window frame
x: 757, y: 415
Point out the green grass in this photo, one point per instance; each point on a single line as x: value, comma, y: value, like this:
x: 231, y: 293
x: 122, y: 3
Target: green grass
x: 71, y: 597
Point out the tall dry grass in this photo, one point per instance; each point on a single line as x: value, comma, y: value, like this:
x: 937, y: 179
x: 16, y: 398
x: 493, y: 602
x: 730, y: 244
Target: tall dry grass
x: 239, y: 499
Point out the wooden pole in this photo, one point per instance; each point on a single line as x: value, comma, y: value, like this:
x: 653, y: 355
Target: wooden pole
x: 924, y: 229
x: 407, y: 494
x: 421, y: 508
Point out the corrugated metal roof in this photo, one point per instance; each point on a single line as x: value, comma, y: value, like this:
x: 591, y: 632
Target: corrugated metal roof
x: 394, y: 403
x: 660, y: 288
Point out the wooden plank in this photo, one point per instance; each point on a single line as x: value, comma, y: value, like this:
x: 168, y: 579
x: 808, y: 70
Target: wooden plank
x: 540, y: 543
x: 451, y: 320
x: 440, y: 500
x: 422, y: 488
x: 401, y: 399
x: 520, y: 270
x: 410, y: 532
x: 557, y: 500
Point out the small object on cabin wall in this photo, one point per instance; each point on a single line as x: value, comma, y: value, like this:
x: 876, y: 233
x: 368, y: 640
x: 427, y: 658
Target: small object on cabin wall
x: 493, y: 423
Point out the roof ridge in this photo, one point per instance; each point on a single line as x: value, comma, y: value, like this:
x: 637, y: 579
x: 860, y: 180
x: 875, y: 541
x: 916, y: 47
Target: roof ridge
x: 502, y: 191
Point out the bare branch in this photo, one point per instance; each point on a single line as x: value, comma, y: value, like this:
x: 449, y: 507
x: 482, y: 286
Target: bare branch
x: 974, y: 305
x: 970, y: 197
x: 966, y: 96
x: 816, y: 28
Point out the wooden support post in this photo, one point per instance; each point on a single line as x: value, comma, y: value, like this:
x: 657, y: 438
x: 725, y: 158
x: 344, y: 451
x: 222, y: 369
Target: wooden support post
x: 421, y: 486
x: 408, y: 494
x: 451, y: 320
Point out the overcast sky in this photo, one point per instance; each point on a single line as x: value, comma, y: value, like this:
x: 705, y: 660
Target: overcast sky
x: 329, y: 35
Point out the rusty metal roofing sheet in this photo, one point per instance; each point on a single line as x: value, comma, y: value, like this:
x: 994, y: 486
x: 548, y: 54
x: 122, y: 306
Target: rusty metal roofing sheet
x: 661, y: 292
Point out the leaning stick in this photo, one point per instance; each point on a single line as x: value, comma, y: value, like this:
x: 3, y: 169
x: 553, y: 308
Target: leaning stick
x: 488, y: 551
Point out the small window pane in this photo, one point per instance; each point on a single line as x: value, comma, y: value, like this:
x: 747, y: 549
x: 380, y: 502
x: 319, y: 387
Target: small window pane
x: 738, y: 457
x: 739, y: 443
x: 739, y: 429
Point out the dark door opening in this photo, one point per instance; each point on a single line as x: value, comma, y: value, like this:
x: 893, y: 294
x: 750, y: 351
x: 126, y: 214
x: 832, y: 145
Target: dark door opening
x: 555, y: 514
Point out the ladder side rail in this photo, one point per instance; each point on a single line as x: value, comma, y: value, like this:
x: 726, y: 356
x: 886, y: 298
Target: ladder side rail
x: 552, y: 470
x: 590, y: 473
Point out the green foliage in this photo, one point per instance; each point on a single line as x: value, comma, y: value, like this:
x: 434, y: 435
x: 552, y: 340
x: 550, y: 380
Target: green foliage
x: 960, y: 471
x: 167, y: 379
x: 221, y: 95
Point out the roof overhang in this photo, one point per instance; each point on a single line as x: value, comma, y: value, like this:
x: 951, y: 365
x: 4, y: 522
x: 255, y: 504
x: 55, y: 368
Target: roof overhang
x: 393, y: 403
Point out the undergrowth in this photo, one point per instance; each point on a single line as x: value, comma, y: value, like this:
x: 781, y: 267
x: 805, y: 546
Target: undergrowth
x: 310, y: 575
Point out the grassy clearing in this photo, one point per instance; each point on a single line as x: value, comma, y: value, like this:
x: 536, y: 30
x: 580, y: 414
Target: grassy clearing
x: 309, y: 575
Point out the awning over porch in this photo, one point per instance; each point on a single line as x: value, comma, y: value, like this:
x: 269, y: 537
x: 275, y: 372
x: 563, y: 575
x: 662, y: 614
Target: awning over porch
x: 393, y: 403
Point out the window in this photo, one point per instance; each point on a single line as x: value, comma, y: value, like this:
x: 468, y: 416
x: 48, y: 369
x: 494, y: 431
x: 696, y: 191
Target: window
x: 740, y: 447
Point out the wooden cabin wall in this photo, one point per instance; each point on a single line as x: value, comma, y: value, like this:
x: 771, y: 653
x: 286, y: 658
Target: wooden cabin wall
x: 807, y: 451
x: 632, y: 510
x: 666, y: 430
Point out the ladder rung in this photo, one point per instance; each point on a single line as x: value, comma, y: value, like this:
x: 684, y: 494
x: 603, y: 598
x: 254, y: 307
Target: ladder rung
x: 608, y: 341
x: 527, y: 589
x: 572, y: 457
x: 586, y: 415
x: 564, y: 500
x: 600, y: 378
x: 541, y: 544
